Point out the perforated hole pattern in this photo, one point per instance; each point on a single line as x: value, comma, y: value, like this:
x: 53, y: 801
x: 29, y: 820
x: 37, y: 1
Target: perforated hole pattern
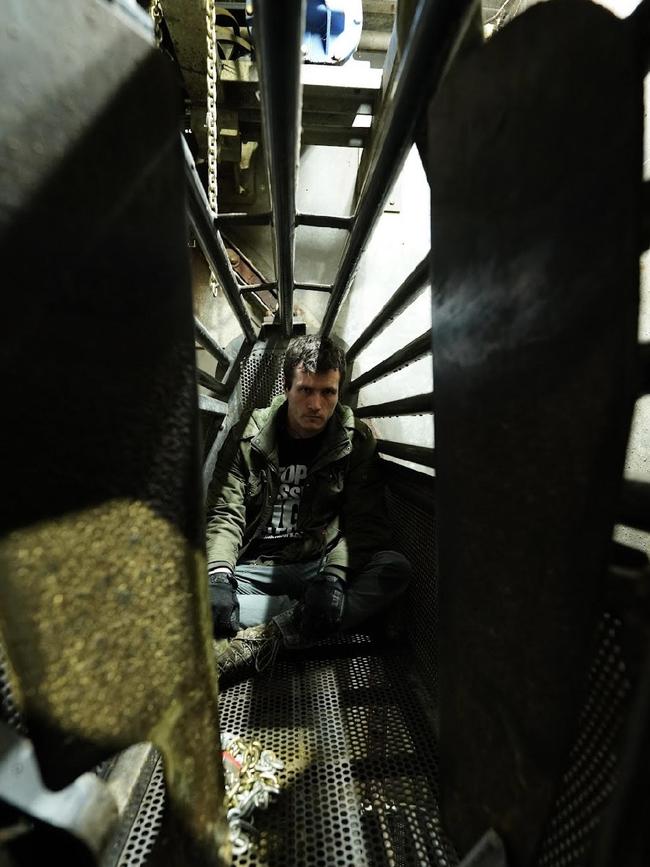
x: 146, y: 825
x: 360, y: 782
x: 360, y: 779
x: 415, y: 534
x: 9, y: 712
x: 589, y: 781
x: 261, y: 377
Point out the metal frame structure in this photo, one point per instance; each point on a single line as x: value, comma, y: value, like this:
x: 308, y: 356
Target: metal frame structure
x: 438, y: 28
x: 278, y: 40
x: 437, y: 31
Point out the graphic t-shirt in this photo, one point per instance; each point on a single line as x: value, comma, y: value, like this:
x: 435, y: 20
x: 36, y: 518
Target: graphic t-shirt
x: 295, y: 457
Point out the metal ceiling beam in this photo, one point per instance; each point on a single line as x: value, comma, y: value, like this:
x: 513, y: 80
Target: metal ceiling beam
x: 278, y: 40
x: 436, y: 33
x: 202, y: 221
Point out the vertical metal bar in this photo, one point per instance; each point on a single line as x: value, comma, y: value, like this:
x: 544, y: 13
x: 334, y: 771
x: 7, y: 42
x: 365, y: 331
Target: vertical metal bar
x: 202, y: 220
x: 436, y: 33
x: 278, y: 38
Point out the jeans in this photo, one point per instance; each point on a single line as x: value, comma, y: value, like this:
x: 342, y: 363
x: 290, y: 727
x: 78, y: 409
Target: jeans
x: 269, y: 591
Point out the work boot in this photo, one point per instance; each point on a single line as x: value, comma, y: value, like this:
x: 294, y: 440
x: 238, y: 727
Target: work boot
x: 252, y: 650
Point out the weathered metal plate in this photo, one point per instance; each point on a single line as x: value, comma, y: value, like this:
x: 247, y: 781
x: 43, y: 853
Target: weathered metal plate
x: 535, y: 167
x: 103, y: 607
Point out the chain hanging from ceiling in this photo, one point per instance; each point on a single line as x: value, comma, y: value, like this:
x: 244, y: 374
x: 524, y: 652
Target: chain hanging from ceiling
x: 211, y: 114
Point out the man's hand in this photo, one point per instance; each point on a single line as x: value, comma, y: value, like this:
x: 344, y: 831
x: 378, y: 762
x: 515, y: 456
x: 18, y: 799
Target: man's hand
x: 322, y: 606
x: 223, y: 600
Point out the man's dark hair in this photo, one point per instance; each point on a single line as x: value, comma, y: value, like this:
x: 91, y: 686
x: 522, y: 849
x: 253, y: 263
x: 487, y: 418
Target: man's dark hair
x: 315, y: 354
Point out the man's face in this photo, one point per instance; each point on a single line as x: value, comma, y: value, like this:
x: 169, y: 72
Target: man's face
x: 311, y: 401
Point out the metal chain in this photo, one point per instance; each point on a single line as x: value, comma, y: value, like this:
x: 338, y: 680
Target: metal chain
x: 156, y: 12
x: 211, y: 114
x: 251, y: 779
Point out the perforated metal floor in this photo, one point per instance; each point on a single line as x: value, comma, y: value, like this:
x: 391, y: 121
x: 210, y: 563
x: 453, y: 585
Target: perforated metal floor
x: 360, y: 785
x: 360, y: 781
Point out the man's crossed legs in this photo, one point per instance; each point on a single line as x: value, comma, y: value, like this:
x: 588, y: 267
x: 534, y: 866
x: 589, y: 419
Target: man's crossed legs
x: 269, y: 597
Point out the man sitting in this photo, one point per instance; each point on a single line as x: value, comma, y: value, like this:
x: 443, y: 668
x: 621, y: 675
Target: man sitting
x: 297, y: 530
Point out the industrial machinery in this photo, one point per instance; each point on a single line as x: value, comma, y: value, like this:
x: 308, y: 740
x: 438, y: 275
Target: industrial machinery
x: 461, y: 203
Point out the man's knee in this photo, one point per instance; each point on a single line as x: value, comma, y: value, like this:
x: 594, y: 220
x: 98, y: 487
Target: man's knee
x: 394, y: 566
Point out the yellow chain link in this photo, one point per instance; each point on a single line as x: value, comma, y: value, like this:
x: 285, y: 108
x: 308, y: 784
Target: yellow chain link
x: 156, y: 12
x: 211, y: 113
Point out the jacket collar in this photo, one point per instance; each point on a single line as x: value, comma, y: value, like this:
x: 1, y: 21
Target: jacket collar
x: 261, y: 429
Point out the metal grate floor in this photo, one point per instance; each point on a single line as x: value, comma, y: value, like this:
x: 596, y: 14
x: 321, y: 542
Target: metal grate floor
x: 360, y: 780
x: 359, y: 786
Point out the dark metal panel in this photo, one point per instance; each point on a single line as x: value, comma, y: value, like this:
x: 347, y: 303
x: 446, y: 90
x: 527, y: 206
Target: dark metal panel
x: 278, y: 40
x: 212, y: 245
x: 206, y: 340
x: 535, y: 269
x: 411, y: 485
x: 437, y: 29
x: 419, y: 404
x: 407, y: 452
x: 623, y: 839
x: 644, y: 353
x: 634, y: 504
x: 412, y: 351
x: 103, y: 606
x: 399, y: 300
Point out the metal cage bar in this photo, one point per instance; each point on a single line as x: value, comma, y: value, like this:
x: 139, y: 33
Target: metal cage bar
x: 278, y: 39
x: 415, y: 349
x: 258, y: 287
x: 216, y: 387
x: 418, y: 404
x: 406, y: 452
x: 202, y: 222
x: 407, y: 292
x: 314, y: 287
x: 436, y: 32
x: 210, y: 404
x: 325, y: 221
x: 204, y: 337
x: 241, y: 218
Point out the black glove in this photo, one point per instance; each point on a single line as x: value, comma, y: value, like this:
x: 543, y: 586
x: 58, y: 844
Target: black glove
x: 322, y: 606
x: 223, y: 600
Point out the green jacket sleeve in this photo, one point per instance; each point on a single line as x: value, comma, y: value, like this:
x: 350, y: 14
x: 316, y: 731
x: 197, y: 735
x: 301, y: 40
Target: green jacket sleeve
x: 226, y: 508
x: 363, y: 522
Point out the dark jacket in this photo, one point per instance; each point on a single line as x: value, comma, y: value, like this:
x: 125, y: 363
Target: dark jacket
x: 342, y: 510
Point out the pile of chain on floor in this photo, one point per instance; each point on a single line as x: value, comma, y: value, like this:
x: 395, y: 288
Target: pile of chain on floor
x: 251, y: 778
